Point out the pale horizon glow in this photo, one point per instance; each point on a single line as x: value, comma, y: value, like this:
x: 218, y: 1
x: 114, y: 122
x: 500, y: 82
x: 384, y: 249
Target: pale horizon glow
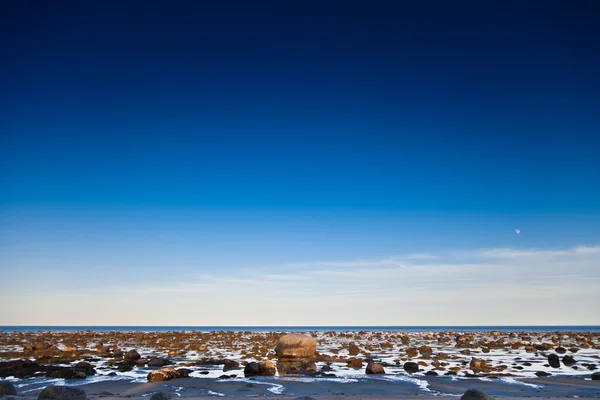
x: 493, y: 287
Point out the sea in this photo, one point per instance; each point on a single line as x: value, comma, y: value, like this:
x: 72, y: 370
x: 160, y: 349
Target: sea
x: 109, y: 328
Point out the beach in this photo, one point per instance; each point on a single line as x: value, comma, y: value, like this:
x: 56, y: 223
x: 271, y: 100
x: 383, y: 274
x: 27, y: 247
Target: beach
x: 196, y: 364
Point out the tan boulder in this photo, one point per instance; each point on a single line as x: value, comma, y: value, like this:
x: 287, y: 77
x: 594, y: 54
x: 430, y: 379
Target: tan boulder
x: 295, y: 345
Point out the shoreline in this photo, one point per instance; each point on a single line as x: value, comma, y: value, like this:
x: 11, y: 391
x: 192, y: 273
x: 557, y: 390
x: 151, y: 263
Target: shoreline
x: 212, y: 364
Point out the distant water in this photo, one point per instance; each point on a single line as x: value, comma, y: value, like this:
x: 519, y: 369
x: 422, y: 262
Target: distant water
x: 516, y: 328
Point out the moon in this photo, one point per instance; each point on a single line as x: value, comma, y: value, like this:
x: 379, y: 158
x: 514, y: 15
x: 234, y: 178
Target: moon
x: 517, y: 231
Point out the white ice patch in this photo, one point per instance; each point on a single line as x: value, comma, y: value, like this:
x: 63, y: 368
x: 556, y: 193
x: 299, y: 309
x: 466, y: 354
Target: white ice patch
x: 277, y: 389
x: 327, y: 379
x: 421, y: 383
x: 216, y: 393
x: 511, y: 380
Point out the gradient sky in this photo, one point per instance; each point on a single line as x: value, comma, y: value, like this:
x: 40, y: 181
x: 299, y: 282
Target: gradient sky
x: 300, y: 162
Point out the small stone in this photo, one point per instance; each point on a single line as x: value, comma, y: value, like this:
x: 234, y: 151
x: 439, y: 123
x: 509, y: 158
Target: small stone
x: 568, y: 360
x: 161, y: 396
x: 7, y: 389
x: 62, y: 393
x: 473, y: 394
x: 560, y: 350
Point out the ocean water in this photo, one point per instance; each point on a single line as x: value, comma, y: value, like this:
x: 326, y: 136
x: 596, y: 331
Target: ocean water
x: 515, y: 328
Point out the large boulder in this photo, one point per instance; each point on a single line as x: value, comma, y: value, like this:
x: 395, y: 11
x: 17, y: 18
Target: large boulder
x: 554, y: 361
x: 473, y: 394
x: 596, y: 376
x: 161, y: 375
x: 251, y: 369
x: 411, y: 367
x: 62, y: 393
x: 7, y: 389
x: 266, y: 368
x: 263, y: 368
x: 295, y: 345
x: 132, y: 355
x: 374, y: 369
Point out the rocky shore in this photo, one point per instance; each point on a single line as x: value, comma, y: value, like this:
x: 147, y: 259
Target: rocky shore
x: 32, y: 360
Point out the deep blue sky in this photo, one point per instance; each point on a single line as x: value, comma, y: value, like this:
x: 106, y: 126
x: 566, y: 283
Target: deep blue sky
x: 281, y: 131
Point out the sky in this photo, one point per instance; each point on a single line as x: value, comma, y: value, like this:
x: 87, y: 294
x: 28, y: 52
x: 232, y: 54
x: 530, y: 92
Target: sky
x: 300, y: 163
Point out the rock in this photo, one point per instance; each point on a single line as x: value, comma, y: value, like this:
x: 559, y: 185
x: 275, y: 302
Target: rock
x: 158, y: 376
x: 412, y: 352
x: 266, y: 368
x: 251, y: 369
x: 19, y: 368
x: 425, y: 350
x: 411, y: 367
x: 125, y: 367
x: 355, y: 363
x: 478, y: 365
x: 431, y: 373
x: 172, y: 372
x: 554, y: 361
x: 297, y: 367
x: 133, y: 356
x: 7, y: 389
x: 228, y: 365
x: 40, y: 346
x: 374, y: 368
x: 64, y: 372
x: 62, y: 393
x: 560, y: 350
x: 295, y: 345
x: 473, y: 394
x: 353, y: 349
x: 568, y: 360
x: 183, y: 372
x: 161, y: 396
x: 158, y: 362
x: 596, y: 376
x: 541, y: 374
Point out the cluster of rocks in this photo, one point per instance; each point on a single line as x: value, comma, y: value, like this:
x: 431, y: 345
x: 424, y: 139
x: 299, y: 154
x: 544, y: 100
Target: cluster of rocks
x: 59, y: 354
x: 28, y: 369
x: 166, y: 374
